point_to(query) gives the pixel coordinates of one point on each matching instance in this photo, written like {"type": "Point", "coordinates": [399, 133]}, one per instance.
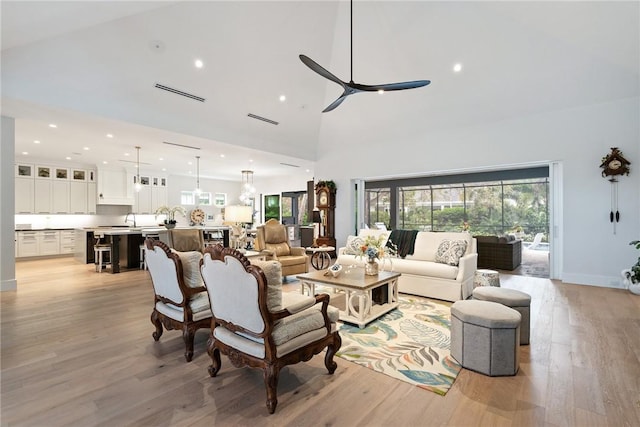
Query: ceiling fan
{"type": "Point", "coordinates": [350, 87]}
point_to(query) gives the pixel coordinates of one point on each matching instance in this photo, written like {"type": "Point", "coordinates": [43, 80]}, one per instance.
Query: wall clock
{"type": "Point", "coordinates": [197, 216]}
{"type": "Point", "coordinates": [614, 164]}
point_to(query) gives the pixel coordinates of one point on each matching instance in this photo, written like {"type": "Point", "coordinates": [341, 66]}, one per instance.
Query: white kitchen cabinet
{"type": "Point", "coordinates": [60, 197]}
{"type": "Point", "coordinates": [143, 201]}
{"type": "Point", "coordinates": [28, 243]}
{"type": "Point", "coordinates": [24, 195]}
{"type": "Point", "coordinates": [49, 242]}
{"type": "Point", "coordinates": [42, 196]}
{"type": "Point", "coordinates": [114, 187]}
{"type": "Point", "coordinates": [92, 194]}
{"type": "Point", "coordinates": [78, 197]}
{"type": "Point", "coordinates": [158, 193]}
{"type": "Point", "coordinates": [67, 241]}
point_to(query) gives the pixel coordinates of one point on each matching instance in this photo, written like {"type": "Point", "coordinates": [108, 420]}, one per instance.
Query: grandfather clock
{"type": "Point", "coordinates": [326, 203]}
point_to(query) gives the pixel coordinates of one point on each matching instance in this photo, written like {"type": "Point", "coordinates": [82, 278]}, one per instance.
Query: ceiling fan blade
{"type": "Point", "coordinates": [320, 70]}
{"type": "Point", "coordinates": [392, 86]}
{"type": "Point", "coordinates": [335, 103]}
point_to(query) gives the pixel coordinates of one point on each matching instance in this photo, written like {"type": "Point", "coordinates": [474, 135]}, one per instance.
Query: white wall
{"type": "Point", "coordinates": [7, 201]}
{"type": "Point", "coordinates": [578, 138]}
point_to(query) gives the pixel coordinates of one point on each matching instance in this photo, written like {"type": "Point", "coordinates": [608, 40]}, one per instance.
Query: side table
{"type": "Point", "coordinates": [320, 258]}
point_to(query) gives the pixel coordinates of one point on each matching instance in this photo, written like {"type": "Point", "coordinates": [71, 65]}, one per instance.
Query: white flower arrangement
{"type": "Point", "coordinates": [171, 212]}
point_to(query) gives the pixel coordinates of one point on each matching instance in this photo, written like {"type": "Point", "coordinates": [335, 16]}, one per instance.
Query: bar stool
{"type": "Point", "coordinates": [99, 249]}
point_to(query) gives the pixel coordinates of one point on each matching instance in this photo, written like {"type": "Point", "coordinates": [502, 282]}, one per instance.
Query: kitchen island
{"type": "Point", "coordinates": [125, 243]}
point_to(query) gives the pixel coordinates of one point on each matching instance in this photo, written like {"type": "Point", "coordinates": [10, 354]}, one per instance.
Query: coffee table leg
{"type": "Point", "coordinates": [364, 306]}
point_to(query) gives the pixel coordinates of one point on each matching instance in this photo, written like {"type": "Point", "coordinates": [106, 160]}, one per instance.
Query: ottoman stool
{"type": "Point", "coordinates": [519, 301]}
{"type": "Point", "coordinates": [485, 337]}
{"type": "Point", "coordinates": [485, 277]}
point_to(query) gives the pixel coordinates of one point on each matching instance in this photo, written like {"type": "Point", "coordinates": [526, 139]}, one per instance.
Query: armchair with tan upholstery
{"type": "Point", "coordinates": [183, 239]}
{"type": "Point", "coordinates": [273, 239]}
{"type": "Point", "coordinates": [258, 325]}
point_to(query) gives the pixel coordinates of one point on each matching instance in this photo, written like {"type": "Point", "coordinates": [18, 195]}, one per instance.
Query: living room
{"type": "Point", "coordinates": [558, 87]}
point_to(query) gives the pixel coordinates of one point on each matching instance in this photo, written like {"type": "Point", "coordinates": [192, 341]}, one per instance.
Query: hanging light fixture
{"type": "Point", "coordinates": [198, 190]}
{"type": "Point", "coordinates": [138, 184]}
{"type": "Point", "coordinates": [247, 192]}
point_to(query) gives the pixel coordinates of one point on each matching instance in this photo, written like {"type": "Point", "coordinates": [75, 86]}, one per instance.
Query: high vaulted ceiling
{"type": "Point", "coordinates": [91, 68]}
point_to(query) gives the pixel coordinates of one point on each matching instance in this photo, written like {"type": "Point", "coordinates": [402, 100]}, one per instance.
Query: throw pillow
{"type": "Point", "coordinates": [353, 245]}
{"type": "Point", "coordinates": [273, 272]}
{"type": "Point", "coordinates": [191, 268]}
{"type": "Point", "coordinates": [450, 251]}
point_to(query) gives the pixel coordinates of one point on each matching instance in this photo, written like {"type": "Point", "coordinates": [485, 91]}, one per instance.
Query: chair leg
{"type": "Point", "coordinates": [158, 324]}
{"type": "Point", "coordinates": [332, 349]}
{"type": "Point", "coordinates": [215, 361]}
{"type": "Point", "coordinates": [187, 336]}
{"type": "Point", "coordinates": [270, 374]}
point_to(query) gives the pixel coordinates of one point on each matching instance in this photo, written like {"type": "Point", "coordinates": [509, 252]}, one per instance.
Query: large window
{"type": "Point", "coordinates": [517, 203]}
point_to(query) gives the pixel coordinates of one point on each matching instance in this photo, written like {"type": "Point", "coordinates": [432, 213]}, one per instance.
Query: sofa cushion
{"type": "Point", "coordinates": [353, 245]}
{"type": "Point", "coordinates": [450, 251]}
{"type": "Point", "coordinates": [273, 272]}
{"type": "Point", "coordinates": [428, 242]}
{"type": "Point", "coordinates": [426, 268]}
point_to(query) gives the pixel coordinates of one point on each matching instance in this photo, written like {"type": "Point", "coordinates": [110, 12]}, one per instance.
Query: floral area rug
{"type": "Point", "coordinates": [410, 343]}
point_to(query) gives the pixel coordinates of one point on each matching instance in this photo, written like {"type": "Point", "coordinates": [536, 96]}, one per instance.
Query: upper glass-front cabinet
{"type": "Point", "coordinates": [24, 170]}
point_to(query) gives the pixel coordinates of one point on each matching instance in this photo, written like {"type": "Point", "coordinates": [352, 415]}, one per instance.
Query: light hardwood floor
{"type": "Point", "coordinates": [77, 351]}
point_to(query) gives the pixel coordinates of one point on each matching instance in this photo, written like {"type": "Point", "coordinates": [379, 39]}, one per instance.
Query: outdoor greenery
{"type": "Point", "coordinates": [490, 208]}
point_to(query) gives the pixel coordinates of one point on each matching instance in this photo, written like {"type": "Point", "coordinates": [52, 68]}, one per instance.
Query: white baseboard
{"type": "Point", "coordinates": [8, 285]}
{"type": "Point", "coordinates": [614, 282]}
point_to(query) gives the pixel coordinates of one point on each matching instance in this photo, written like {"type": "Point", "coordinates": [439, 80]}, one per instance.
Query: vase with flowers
{"type": "Point", "coordinates": [372, 250]}
{"type": "Point", "coordinates": [170, 215]}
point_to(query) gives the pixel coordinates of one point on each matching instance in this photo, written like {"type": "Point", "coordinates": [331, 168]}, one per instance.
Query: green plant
{"type": "Point", "coordinates": [633, 273]}
{"type": "Point", "coordinates": [329, 184]}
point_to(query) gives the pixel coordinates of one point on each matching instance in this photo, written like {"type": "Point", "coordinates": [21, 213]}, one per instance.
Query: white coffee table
{"type": "Point", "coordinates": [360, 308]}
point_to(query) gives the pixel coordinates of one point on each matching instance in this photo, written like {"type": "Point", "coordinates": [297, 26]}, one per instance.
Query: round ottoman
{"type": "Point", "coordinates": [519, 301]}
{"type": "Point", "coordinates": [486, 278]}
{"type": "Point", "coordinates": [485, 337]}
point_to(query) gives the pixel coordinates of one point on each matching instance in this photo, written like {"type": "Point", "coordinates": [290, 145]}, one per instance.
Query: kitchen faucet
{"type": "Point", "coordinates": [126, 218]}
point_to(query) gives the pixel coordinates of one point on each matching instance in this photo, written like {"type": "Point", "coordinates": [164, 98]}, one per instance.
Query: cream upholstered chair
{"type": "Point", "coordinates": [258, 325]}
{"type": "Point", "coordinates": [272, 237]}
{"type": "Point", "coordinates": [181, 300]}
{"type": "Point", "coordinates": [183, 239]}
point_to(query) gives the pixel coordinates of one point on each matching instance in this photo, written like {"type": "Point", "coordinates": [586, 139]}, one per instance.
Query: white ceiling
{"type": "Point", "coordinates": [91, 68]}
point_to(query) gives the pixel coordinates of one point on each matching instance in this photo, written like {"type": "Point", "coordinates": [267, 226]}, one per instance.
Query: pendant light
{"type": "Point", "coordinates": [198, 190]}
{"type": "Point", "coordinates": [247, 192]}
{"type": "Point", "coordinates": [138, 184]}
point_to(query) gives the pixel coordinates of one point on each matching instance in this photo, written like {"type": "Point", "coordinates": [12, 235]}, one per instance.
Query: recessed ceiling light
{"type": "Point", "coordinates": [25, 153]}
{"type": "Point", "coordinates": [104, 162]}
{"type": "Point", "coordinates": [68, 158]}
{"type": "Point", "coordinates": [198, 63]}
{"type": "Point", "coordinates": [164, 169]}
{"type": "Point", "coordinates": [53, 125]}
{"type": "Point", "coordinates": [189, 163]}
{"type": "Point", "coordinates": [160, 158]}
{"type": "Point", "coordinates": [250, 160]}
{"type": "Point", "coordinates": [457, 68]}
{"type": "Point", "coordinates": [36, 142]}
{"type": "Point", "coordinates": [380, 91]}
{"type": "Point", "coordinates": [222, 155]}
{"type": "Point", "coordinates": [109, 135]}
{"type": "Point", "coordinates": [283, 98]}
{"type": "Point", "coordinates": [126, 154]}
{"type": "Point", "coordinates": [86, 148]}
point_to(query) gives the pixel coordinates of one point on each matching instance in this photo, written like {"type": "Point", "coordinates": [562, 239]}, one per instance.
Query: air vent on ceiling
{"type": "Point", "coordinates": [134, 162]}
{"type": "Point", "coordinates": [289, 164]}
{"type": "Point", "coordinates": [264, 119]}
{"type": "Point", "coordinates": [179, 92]}
{"type": "Point", "coordinates": [181, 145]}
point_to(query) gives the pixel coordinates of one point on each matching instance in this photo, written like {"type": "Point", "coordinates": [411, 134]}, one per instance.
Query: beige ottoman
{"type": "Point", "coordinates": [485, 337]}
{"type": "Point", "coordinates": [519, 301]}
{"type": "Point", "coordinates": [485, 277]}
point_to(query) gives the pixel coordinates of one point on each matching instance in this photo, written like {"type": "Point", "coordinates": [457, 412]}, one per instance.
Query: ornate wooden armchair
{"type": "Point", "coordinates": [272, 238]}
{"type": "Point", "coordinates": [181, 300]}
{"type": "Point", "coordinates": [258, 325]}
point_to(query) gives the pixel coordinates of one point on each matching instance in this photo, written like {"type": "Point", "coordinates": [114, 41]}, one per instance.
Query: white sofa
{"type": "Point", "coordinates": [421, 274]}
